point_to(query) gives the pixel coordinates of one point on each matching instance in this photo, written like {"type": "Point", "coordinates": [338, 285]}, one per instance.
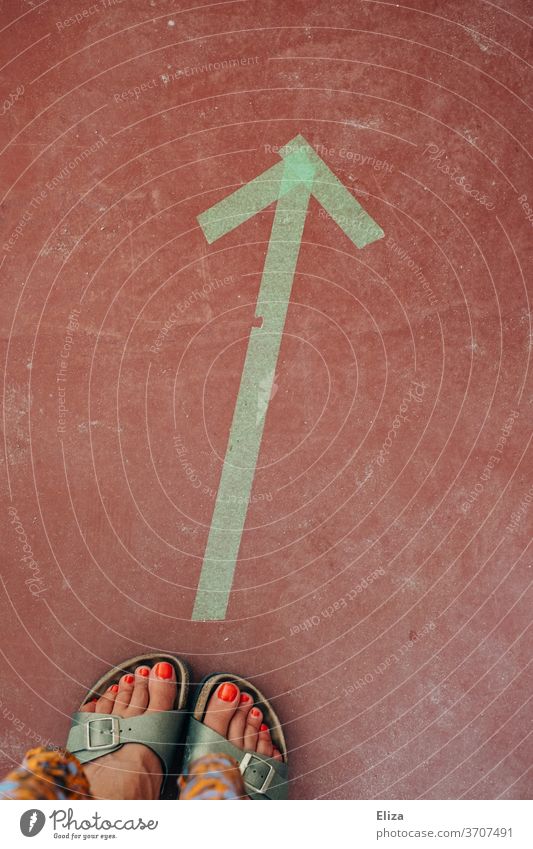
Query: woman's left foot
{"type": "Point", "coordinates": [233, 715]}
{"type": "Point", "coordinates": [134, 771]}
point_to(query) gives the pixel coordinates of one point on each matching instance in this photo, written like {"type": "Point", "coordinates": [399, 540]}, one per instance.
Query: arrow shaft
{"type": "Point", "coordinates": [288, 183]}
{"type": "Point", "coordinates": [247, 426]}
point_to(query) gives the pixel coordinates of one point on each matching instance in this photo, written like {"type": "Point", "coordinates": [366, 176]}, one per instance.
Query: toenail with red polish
{"type": "Point", "coordinates": [163, 670]}
{"type": "Point", "coordinates": [114, 688]}
{"type": "Point", "coordinates": [264, 727]}
{"type": "Point", "coordinates": [255, 712]}
{"type": "Point", "coordinates": [244, 699]}
{"type": "Point", "coordinates": [228, 692]}
{"type": "Point", "coordinates": [129, 679]}
{"type": "Point", "coordinates": [144, 671]}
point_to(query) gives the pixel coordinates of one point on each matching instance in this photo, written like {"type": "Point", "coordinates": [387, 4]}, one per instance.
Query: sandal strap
{"type": "Point", "coordinates": [95, 734]}
{"type": "Point", "coordinates": [264, 778]}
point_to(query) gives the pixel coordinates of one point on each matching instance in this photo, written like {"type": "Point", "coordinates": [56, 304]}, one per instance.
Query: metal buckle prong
{"type": "Point", "coordinates": [114, 731]}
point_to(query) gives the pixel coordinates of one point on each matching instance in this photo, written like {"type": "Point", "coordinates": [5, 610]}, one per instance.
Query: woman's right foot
{"type": "Point", "coordinates": [232, 713]}
{"type": "Point", "coordinates": [134, 771]}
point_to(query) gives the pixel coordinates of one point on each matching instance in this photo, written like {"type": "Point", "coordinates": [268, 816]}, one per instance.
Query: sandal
{"type": "Point", "coordinates": [93, 735]}
{"type": "Point", "coordinates": [264, 778]}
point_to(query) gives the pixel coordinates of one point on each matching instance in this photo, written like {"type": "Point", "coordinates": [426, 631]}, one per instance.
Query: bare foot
{"type": "Point", "coordinates": [232, 714]}
{"type": "Point", "coordinates": [134, 771]}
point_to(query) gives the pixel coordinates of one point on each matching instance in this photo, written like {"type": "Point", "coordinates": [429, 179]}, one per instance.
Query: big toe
{"type": "Point", "coordinates": [162, 686]}
{"type": "Point", "coordinates": [221, 707]}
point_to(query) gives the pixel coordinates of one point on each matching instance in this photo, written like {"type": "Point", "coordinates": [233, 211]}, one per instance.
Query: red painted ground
{"type": "Point", "coordinates": [382, 592]}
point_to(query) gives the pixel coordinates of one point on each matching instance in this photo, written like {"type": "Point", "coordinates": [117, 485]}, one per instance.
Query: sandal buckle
{"type": "Point", "coordinates": [245, 763]}
{"type": "Point", "coordinates": [114, 731]}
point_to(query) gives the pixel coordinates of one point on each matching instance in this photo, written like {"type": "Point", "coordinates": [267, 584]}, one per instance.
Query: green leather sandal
{"type": "Point", "coordinates": [264, 778]}
{"type": "Point", "coordinates": [93, 735]}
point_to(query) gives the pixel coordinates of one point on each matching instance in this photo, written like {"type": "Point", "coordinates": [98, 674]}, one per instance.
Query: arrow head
{"type": "Point", "coordinates": [300, 165]}
{"type": "Point", "coordinates": [335, 198]}
{"type": "Point", "coordinates": [298, 170]}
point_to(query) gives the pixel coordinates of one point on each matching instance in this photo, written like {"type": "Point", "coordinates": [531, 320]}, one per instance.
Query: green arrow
{"type": "Point", "coordinates": [290, 184]}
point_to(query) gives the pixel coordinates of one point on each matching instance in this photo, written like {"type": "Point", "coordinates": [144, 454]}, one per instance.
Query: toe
{"type": "Point", "coordinates": [251, 732]}
{"type": "Point", "coordinates": [276, 754]}
{"type": "Point", "coordinates": [162, 686]}
{"type": "Point", "coordinates": [89, 707]}
{"type": "Point", "coordinates": [140, 696]}
{"type": "Point", "coordinates": [238, 721]}
{"type": "Point", "coordinates": [123, 696]}
{"type": "Point", "coordinates": [264, 741]}
{"type": "Point", "coordinates": [106, 701]}
{"type": "Point", "coordinates": [221, 707]}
